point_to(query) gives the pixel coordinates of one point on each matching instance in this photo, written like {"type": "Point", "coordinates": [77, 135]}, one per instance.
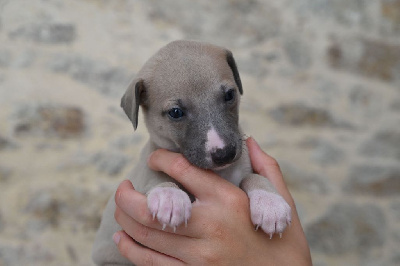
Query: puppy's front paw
{"type": "Point", "coordinates": [269, 211]}
{"type": "Point", "coordinates": [170, 205]}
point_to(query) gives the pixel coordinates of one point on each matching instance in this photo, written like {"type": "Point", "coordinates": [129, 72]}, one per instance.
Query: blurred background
{"type": "Point", "coordinates": [321, 94]}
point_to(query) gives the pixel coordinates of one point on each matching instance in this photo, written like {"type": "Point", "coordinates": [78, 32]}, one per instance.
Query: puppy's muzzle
{"type": "Point", "coordinates": [226, 155]}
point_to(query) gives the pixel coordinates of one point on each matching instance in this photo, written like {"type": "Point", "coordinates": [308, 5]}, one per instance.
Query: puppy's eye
{"type": "Point", "coordinates": [229, 95]}
{"type": "Point", "coordinates": [176, 113]}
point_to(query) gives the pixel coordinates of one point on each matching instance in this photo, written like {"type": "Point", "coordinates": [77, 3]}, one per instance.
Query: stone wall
{"type": "Point", "coordinates": [321, 94]}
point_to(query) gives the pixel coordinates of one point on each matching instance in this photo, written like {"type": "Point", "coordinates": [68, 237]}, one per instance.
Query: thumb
{"type": "Point", "coordinates": [262, 163]}
{"type": "Point", "coordinates": [267, 166]}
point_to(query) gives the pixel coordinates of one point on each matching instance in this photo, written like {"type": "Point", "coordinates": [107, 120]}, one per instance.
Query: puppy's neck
{"type": "Point", "coordinates": [167, 145]}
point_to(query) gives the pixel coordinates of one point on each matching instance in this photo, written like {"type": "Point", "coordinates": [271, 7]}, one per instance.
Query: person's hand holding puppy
{"type": "Point", "coordinates": [220, 230]}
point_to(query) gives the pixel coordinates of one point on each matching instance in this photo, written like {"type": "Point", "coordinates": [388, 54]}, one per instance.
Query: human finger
{"type": "Point", "coordinates": [169, 243]}
{"type": "Point", "coordinates": [203, 184]}
{"type": "Point", "coordinates": [134, 204]}
{"type": "Point", "coordinates": [140, 255]}
{"type": "Point", "coordinates": [268, 167]}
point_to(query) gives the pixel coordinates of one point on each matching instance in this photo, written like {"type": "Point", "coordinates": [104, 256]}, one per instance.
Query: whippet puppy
{"type": "Point", "coordinates": [189, 93]}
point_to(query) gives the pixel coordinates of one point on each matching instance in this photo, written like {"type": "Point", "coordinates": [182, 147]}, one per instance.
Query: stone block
{"type": "Point", "coordinates": [5, 173]}
{"type": "Point", "coordinates": [327, 154]}
{"type": "Point", "coordinates": [6, 143]}
{"type": "Point", "coordinates": [373, 180]}
{"type": "Point", "coordinates": [300, 114]}
{"type": "Point", "coordinates": [298, 51]}
{"type": "Point", "coordinates": [49, 120]}
{"type": "Point", "coordinates": [110, 162]}
{"type": "Point", "coordinates": [390, 10]}
{"type": "Point", "coordinates": [1, 221]}
{"type": "Point", "coordinates": [5, 58]}
{"type": "Point", "coordinates": [383, 144]}
{"type": "Point", "coordinates": [231, 23]}
{"type": "Point", "coordinates": [44, 209]}
{"type": "Point", "coordinates": [380, 60]}
{"type": "Point", "coordinates": [366, 57]}
{"type": "Point", "coordinates": [346, 13]}
{"type": "Point", "coordinates": [301, 179]}
{"type": "Point", "coordinates": [49, 33]}
{"type": "Point", "coordinates": [108, 80]}
{"type": "Point", "coordinates": [346, 228]}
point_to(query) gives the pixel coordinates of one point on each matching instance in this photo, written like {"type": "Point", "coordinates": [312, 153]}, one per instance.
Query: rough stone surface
{"type": "Point", "coordinates": [374, 179]}
{"type": "Point", "coordinates": [1, 222]}
{"type": "Point", "coordinates": [51, 33]}
{"type": "Point", "coordinates": [103, 77]}
{"type": "Point", "coordinates": [61, 121]}
{"type": "Point", "coordinates": [380, 60]}
{"type": "Point", "coordinates": [110, 162]}
{"type": "Point", "coordinates": [298, 51]}
{"type": "Point", "coordinates": [5, 143]}
{"type": "Point", "coordinates": [298, 114]}
{"type": "Point", "coordinates": [385, 143]}
{"type": "Point", "coordinates": [44, 208]}
{"type": "Point", "coordinates": [5, 58]}
{"type": "Point", "coordinates": [321, 85]}
{"type": "Point", "coordinates": [5, 173]}
{"type": "Point", "coordinates": [348, 227]}
{"type": "Point", "coordinates": [297, 178]}
{"type": "Point", "coordinates": [256, 20]}
{"type": "Point", "coordinates": [368, 57]}
{"type": "Point", "coordinates": [391, 12]}
{"type": "Point", "coordinates": [327, 154]}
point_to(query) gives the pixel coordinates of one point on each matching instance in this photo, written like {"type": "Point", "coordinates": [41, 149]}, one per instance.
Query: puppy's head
{"type": "Point", "coordinates": [189, 93]}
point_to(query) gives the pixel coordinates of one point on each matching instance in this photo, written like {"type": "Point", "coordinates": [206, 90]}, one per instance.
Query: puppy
{"type": "Point", "coordinates": [189, 93]}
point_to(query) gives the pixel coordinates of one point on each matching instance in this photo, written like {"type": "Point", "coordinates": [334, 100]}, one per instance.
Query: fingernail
{"type": "Point", "coordinates": [116, 238]}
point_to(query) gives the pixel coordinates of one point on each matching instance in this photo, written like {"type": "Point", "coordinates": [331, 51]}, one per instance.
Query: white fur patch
{"type": "Point", "coordinates": [269, 211]}
{"type": "Point", "coordinates": [214, 141]}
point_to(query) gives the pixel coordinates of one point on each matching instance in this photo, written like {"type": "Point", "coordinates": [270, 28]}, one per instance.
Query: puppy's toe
{"type": "Point", "coordinates": [170, 205]}
{"type": "Point", "coordinates": [269, 211]}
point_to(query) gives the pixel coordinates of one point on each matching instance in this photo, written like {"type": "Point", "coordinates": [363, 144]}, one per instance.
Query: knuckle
{"type": "Point", "coordinates": [210, 256]}
{"type": "Point", "coordinates": [119, 194]}
{"type": "Point", "coordinates": [124, 249]}
{"type": "Point", "coordinates": [148, 259]}
{"type": "Point", "coordinates": [144, 217]}
{"type": "Point", "coordinates": [117, 214]}
{"type": "Point", "coordinates": [141, 233]}
{"type": "Point", "coordinates": [179, 166]}
{"type": "Point", "coordinates": [235, 200]}
{"type": "Point", "coordinates": [274, 163]}
{"type": "Point", "coordinates": [218, 231]}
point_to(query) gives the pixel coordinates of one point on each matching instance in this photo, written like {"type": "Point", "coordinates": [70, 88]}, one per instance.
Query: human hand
{"type": "Point", "coordinates": [219, 231]}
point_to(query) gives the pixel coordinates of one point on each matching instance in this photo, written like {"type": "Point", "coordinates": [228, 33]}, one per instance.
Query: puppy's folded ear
{"type": "Point", "coordinates": [232, 65]}
{"type": "Point", "coordinates": [133, 97]}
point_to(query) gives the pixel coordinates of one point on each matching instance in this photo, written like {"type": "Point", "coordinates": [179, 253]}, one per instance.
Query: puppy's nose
{"type": "Point", "coordinates": [224, 156]}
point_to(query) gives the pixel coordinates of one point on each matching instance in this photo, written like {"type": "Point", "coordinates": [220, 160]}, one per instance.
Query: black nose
{"type": "Point", "coordinates": [224, 156]}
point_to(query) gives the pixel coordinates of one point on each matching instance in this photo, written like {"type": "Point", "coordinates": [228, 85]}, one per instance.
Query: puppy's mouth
{"type": "Point", "coordinates": [210, 162]}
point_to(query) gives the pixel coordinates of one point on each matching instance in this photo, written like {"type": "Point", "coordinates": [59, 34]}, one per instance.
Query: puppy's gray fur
{"type": "Point", "coordinates": [201, 84]}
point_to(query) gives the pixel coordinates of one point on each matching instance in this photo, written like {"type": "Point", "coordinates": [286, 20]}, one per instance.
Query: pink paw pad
{"type": "Point", "coordinates": [170, 205]}
{"type": "Point", "coordinates": [269, 211]}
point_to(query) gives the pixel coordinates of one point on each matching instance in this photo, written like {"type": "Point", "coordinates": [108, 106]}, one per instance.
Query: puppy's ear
{"type": "Point", "coordinates": [133, 97]}
{"type": "Point", "coordinates": [232, 65]}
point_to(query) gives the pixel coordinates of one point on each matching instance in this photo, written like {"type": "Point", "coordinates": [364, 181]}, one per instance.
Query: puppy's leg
{"type": "Point", "coordinates": [268, 209]}
{"type": "Point", "coordinates": [170, 204]}
{"type": "Point", "coordinates": [104, 251]}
